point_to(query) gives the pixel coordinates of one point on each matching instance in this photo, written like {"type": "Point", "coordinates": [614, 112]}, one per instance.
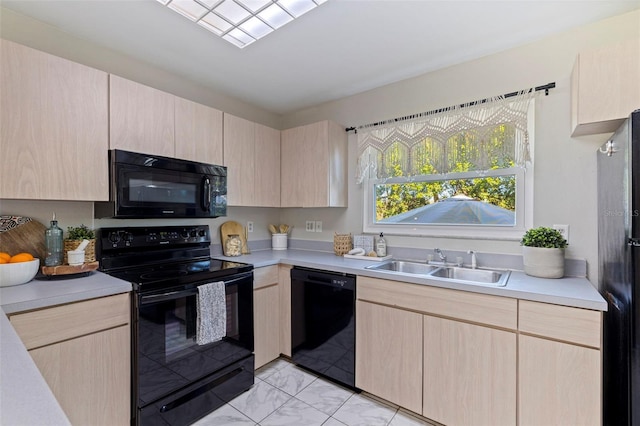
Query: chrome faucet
{"type": "Point", "coordinates": [474, 262]}
{"type": "Point", "coordinates": [442, 257]}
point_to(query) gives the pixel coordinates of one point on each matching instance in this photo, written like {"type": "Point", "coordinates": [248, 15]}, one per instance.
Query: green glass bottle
{"type": "Point", "coordinates": [53, 241]}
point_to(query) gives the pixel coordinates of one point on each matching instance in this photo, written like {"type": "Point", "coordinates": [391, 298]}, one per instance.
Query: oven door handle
{"type": "Point", "coordinates": [155, 298]}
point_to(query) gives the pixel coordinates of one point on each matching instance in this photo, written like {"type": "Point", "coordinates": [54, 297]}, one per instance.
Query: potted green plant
{"type": "Point", "coordinates": [75, 236]}
{"type": "Point", "coordinates": [543, 252]}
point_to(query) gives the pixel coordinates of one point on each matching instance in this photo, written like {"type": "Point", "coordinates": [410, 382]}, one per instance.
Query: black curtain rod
{"type": "Point", "coordinates": [545, 87]}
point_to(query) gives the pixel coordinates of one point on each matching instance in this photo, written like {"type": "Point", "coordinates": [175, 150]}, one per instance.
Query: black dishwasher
{"type": "Point", "coordinates": [323, 323]}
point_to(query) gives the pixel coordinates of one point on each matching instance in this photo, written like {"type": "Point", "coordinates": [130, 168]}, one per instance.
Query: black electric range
{"type": "Point", "coordinates": [175, 379]}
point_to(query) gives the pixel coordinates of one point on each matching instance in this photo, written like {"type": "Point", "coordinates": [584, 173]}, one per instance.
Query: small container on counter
{"type": "Point", "coordinates": [279, 241]}
{"type": "Point", "coordinates": [381, 246]}
{"type": "Point", "coordinates": [233, 245]}
{"type": "Point", "coordinates": [75, 257]}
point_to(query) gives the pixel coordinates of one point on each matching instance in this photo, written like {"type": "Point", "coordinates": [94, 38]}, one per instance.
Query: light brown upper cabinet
{"type": "Point", "coordinates": [54, 127]}
{"type": "Point", "coordinates": [605, 88]}
{"type": "Point", "coordinates": [267, 166]}
{"type": "Point", "coordinates": [150, 121]}
{"type": "Point", "coordinates": [252, 157]}
{"type": "Point", "coordinates": [198, 132]}
{"type": "Point", "coordinates": [141, 118]}
{"type": "Point", "coordinates": [314, 166]}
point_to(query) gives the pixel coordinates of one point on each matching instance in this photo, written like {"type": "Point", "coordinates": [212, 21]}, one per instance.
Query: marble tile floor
{"type": "Point", "coordinates": [284, 394]}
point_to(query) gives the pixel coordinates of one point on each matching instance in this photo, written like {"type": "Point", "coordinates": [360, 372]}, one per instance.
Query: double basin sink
{"type": "Point", "coordinates": [487, 277]}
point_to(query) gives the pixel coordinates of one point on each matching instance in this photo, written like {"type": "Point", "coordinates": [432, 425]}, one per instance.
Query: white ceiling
{"type": "Point", "coordinates": [342, 48]}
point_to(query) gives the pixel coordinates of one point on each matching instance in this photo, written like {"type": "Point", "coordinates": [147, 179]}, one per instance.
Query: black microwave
{"type": "Point", "coordinates": [151, 186]}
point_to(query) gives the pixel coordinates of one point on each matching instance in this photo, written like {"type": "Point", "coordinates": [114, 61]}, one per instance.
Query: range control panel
{"type": "Point", "coordinates": [138, 237]}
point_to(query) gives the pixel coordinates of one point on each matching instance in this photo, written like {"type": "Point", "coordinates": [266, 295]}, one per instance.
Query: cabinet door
{"type": "Point", "coordinates": [141, 118]}
{"type": "Point", "coordinates": [314, 166]}
{"type": "Point", "coordinates": [198, 132]}
{"type": "Point", "coordinates": [267, 166]}
{"type": "Point", "coordinates": [315, 160]}
{"type": "Point", "coordinates": [292, 172]}
{"type": "Point", "coordinates": [469, 373]}
{"type": "Point", "coordinates": [53, 127]}
{"type": "Point", "coordinates": [558, 383]}
{"type": "Point", "coordinates": [284, 284]}
{"type": "Point", "coordinates": [605, 87]}
{"type": "Point", "coordinates": [239, 137]}
{"type": "Point", "coordinates": [305, 166]}
{"type": "Point", "coordinates": [389, 354]}
{"type": "Point", "coordinates": [90, 376]}
{"type": "Point", "coordinates": [266, 318]}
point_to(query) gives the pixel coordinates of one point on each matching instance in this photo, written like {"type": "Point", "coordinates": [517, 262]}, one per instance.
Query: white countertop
{"type": "Point", "coordinates": [43, 292]}
{"type": "Point", "coordinates": [25, 397]}
{"type": "Point", "coordinates": [568, 291]}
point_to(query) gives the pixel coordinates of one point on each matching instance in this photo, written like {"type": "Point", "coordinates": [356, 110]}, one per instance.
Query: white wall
{"type": "Point", "coordinates": [565, 167]}
{"type": "Point", "coordinates": [565, 190]}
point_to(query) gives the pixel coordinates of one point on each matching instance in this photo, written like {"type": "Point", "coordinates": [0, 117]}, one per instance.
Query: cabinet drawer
{"type": "Point", "coordinates": [263, 277]}
{"type": "Point", "coordinates": [575, 325]}
{"type": "Point", "coordinates": [46, 326]}
{"type": "Point", "coordinates": [479, 308]}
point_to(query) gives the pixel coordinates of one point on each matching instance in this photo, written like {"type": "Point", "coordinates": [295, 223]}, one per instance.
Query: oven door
{"type": "Point", "coordinates": [167, 359]}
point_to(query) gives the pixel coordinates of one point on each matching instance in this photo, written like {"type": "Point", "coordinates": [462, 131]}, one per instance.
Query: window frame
{"type": "Point", "coordinates": [501, 232]}
{"type": "Point", "coordinates": [524, 203]}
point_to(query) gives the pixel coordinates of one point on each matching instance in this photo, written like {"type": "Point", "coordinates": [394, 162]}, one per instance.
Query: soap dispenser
{"type": "Point", "coordinates": [53, 241]}
{"type": "Point", "coordinates": [381, 246]}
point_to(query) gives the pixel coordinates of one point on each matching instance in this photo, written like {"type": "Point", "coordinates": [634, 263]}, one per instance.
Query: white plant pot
{"type": "Point", "coordinates": [543, 262]}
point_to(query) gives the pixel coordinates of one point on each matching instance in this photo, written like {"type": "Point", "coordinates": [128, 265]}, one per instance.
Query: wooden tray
{"type": "Point", "coordinates": [26, 236]}
{"type": "Point", "coordinates": [69, 269]}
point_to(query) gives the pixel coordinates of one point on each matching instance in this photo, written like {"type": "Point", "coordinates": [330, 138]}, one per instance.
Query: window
{"type": "Point", "coordinates": [458, 174]}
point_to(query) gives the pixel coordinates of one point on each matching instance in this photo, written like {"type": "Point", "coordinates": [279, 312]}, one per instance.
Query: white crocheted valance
{"type": "Point", "coordinates": [471, 137]}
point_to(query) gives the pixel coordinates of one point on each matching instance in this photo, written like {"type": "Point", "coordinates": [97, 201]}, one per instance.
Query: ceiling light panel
{"type": "Point", "coordinates": [232, 11]}
{"type": "Point", "coordinates": [188, 8]}
{"type": "Point", "coordinates": [215, 24]}
{"type": "Point", "coordinates": [275, 16]}
{"type": "Point", "coordinates": [254, 5]}
{"type": "Point", "coordinates": [297, 7]}
{"type": "Point", "coordinates": [241, 22]}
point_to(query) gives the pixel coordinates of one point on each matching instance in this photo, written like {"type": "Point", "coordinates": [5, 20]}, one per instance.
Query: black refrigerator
{"type": "Point", "coordinates": [618, 163]}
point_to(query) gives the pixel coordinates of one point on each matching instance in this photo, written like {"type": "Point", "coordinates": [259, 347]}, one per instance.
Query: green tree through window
{"type": "Point", "coordinates": [470, 152]}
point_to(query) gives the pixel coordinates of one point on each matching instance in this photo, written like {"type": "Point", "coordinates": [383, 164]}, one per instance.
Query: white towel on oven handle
{"type": "Point", "coordinates": [211, 313]}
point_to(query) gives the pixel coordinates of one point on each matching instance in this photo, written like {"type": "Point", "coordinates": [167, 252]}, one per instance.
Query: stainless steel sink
{"type": "Point", "coordinates": [480, 276]}
{"type": "Point", "coordinates": [490, 277]}
{"type": "Point", "coordinates": [405, 267]}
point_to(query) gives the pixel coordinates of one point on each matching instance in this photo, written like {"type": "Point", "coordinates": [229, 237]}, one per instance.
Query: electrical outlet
{"type": "Point", "coordinates": [564, 230]}
{"type": "Point", "coordinates": [249, 226]}
{"type": "Point", "coordinates": [310, 226]}
{"type": "Point", "coordinates": [318, 226]}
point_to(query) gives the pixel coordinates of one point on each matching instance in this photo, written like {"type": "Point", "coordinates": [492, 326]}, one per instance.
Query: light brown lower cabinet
{"type": "Point", "coordinates": [469, 373]}
{"type": "Point", "coordinates": [559, 383]}
{"type": "Point", "coordinates": [284, 280]}
{"type": "Point", "coordinates": [83, 351]}
{"type": "Point", "coordinates": [559, 365]}
{"type": "Point", "coordinates": [389, 354]}
{"type": "Point", "coordinates": [266, 315]}
{"type": "Point", "coordinates": [463, 358]}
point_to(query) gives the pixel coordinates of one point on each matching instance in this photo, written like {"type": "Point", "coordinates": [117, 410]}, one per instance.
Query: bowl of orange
{"type": "Point", "coordinates": [17, 269]}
